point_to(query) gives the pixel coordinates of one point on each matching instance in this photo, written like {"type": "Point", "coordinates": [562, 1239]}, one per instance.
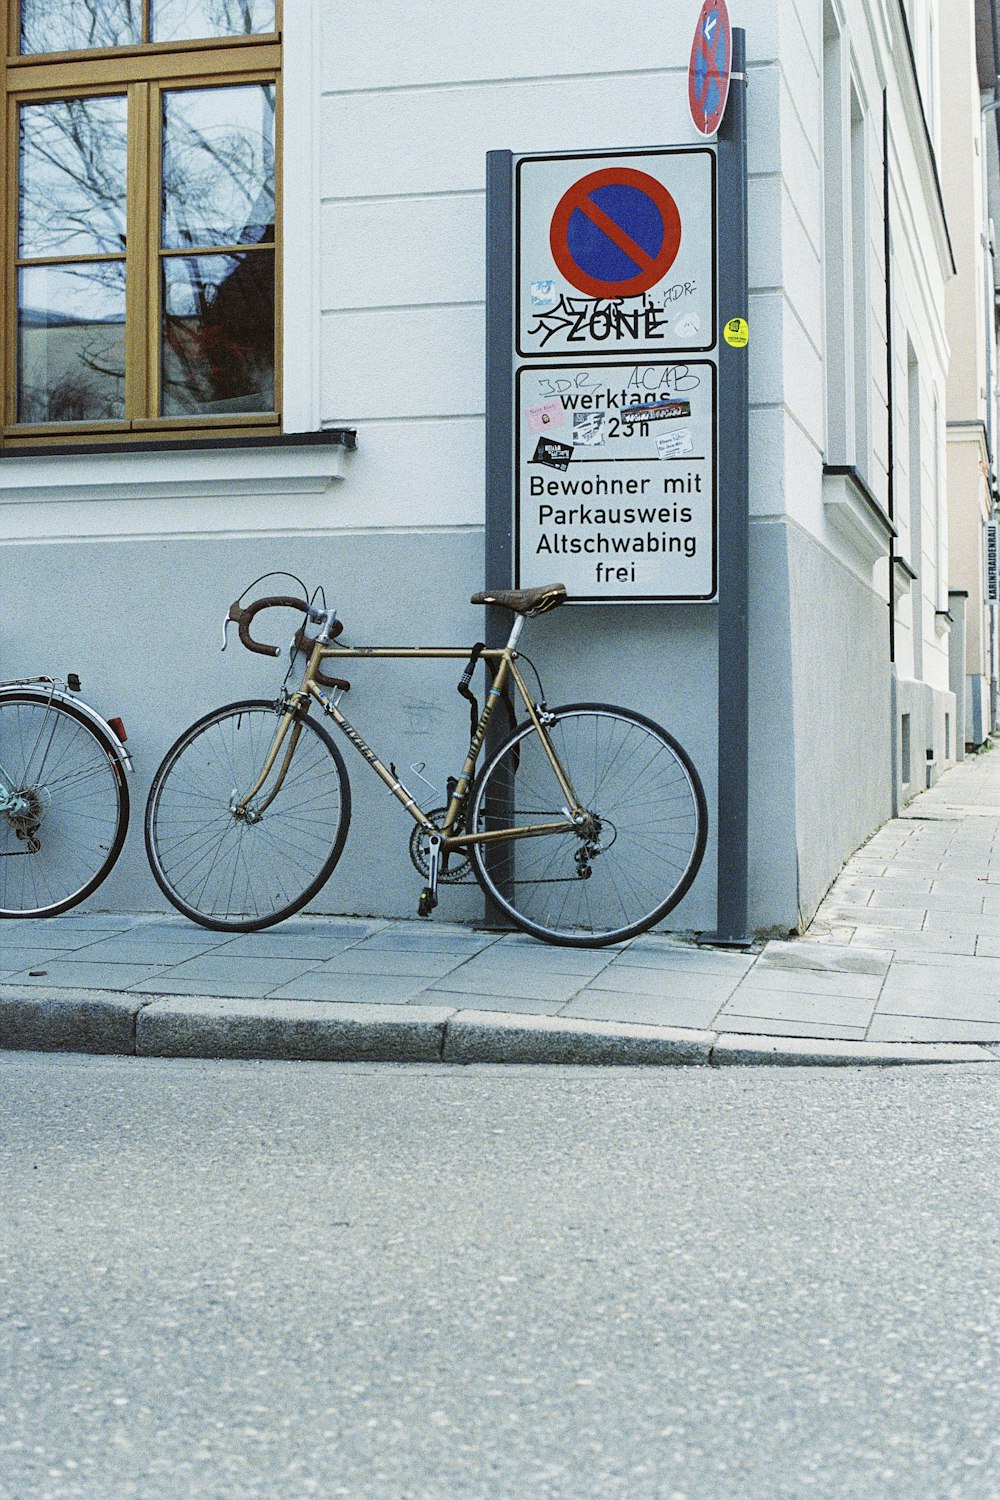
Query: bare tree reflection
{"type": "Point", "coordinates": [176, 19]}
{"type": "Point", "coordinates": [74, 25]}
{"type": "Point", "coordinates": [217, 195]}
{"type": "Point", "coordinates": [83, 25]}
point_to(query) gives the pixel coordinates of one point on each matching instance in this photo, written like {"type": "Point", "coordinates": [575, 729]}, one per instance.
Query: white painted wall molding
{"type": "Point", "coordinates": [923, 151]}
{"type": "Point", "coordinates": [208, 473]}
{"type": "Point", "coordinates": [301, 273]}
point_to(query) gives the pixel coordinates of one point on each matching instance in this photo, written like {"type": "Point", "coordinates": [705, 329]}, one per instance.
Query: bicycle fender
{"type": "Point", "coordinates": [32, 689]}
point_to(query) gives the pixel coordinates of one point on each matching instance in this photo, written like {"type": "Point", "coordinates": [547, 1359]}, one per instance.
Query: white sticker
{"type": "Point", "coordinates": [588, 429]}
{"type": "Point", "coordinates": [675, 444]}
{"type": "Point", "coordinates": [543, 294]}
{"type": "Point", "coordinates": [688, 326]}
{"type": "Point", "coordinates": [547, 414]}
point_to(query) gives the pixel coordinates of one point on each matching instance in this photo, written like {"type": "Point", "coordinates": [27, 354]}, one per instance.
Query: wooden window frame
{"type": "Point", "coordinates": [142, 73]}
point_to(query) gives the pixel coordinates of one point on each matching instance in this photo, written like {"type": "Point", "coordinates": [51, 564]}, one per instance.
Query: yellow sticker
{"type": "Point", "coordinates": [737, 333]}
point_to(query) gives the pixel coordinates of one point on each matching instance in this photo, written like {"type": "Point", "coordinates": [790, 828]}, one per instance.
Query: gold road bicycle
{"type": "Point", "coordinates": [585, 826]}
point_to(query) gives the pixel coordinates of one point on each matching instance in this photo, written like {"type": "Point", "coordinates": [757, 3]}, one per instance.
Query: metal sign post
{"type": "Point", "coordinates": [734, 554]}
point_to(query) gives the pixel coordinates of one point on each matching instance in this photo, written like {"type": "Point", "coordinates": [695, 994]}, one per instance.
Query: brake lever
{"type": "Point", "coordinates": [225, 631]}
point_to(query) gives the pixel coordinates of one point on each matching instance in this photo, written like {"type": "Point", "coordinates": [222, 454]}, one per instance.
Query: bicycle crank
{"type": "Point", "coordinates": [428, 896]}
{"type": "Point", "coordinates": [454, 869]}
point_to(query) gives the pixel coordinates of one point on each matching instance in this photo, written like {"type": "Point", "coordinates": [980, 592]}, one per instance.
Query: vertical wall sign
{"type": "Point", "coordinates": [992, 563]}
{"type": "Point", "coordinates": [615, 391]}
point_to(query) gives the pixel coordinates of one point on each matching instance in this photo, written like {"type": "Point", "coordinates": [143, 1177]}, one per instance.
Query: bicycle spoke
{"type": "Point", "coordinates": [238, 864]}
{"type": "Point", "coordinates": [74, 812]}
{"type": "Point", "coordinates": [639, 842]}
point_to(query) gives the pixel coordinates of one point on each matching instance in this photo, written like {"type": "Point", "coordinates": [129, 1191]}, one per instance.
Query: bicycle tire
{"type": "Point", "coordinates": [241, 875]}
{"type": "Point", "coordinates": [78, 805]}
{"type": "Point", "coordinates": [650, 808]}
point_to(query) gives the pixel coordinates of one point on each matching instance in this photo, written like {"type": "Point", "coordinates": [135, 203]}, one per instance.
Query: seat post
{"type": "Point", "coordinates": [515, 631]}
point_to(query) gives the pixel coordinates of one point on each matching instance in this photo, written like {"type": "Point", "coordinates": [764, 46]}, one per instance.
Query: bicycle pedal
{"type": "Point", "coordinates": [427, 902]}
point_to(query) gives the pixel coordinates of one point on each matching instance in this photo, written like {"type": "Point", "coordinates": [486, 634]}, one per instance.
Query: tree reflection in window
{"type": "Point", "coordinates": [79, 25]}
{"type": "Point", "coordinates": [218, 193]}
{"type": "Point", "coordinates": [86, 25]}
{"type": "Point", "coordinates": [209, 258]}
{"type": "Point", "coordinates": [72, 214]}
{"type": "Point", "coordinates": [186, 20]}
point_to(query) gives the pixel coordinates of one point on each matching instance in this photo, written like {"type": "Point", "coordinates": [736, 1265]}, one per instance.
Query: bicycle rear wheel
{"type": "Point", "coordinates": [69, 805]}
{"type": "Point", "coordinates": [633, 860]}
{"type": "Point", "coordinates": [239, 873]}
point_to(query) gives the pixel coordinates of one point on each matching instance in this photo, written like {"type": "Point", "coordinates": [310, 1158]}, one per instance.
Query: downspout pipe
{"type": "Point", "coordinates": [993, 108]}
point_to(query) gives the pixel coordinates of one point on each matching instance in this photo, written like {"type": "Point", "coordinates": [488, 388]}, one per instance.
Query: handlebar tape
{"type": "Point", "coordinates": [242, 615]}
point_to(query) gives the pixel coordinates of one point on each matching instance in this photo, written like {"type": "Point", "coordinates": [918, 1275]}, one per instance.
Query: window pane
{"type": "Point", "coordinates": [218, 334]}
{"type": "Point", "coordinates": [77, 25]}
{"type": "Point", "coordinates": [218, 166]}
{"type": "Point", "coordinates": [71, 343]}
{"type": "Point", "coordinates": [73, 177]}
{"type": "Point", "coordinates": [178, 20]}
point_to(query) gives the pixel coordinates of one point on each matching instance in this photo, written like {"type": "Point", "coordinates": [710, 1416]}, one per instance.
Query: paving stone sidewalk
{"type": "Point", "coordinates": [905, 949]}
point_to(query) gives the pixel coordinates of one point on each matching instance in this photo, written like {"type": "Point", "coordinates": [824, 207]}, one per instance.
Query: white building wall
{"type": "Point", "coordinates": [389, 112]}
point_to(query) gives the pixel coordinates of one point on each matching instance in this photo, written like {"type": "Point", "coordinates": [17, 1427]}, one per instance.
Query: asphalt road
{"type": "Point", "coordinates": [230, 1281]}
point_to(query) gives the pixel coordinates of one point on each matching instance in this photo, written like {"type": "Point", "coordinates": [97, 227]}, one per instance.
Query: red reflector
{"type": "Point", "coordinates": [119, 729]}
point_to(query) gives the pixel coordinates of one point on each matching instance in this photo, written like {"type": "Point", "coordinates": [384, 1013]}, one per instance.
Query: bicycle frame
{"type": "Point", "coordinates": [504, 662]}
{"type": "Point", "coordinates": [10, 802]}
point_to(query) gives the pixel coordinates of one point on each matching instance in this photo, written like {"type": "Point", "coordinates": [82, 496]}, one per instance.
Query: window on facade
{"type": "Point", "coordinates": [940, 518]}
{"type": "Point", "coordinates": [141, 217]}
{"type": "Point", "coordinates": [859, 289]}
{"type": "Point", "coordinates": [915, 538]}
{"type": "Point", "coordinates": [846, 244]}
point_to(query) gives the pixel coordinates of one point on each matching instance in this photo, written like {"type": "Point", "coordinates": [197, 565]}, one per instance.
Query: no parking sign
{"type": "Point", "coordinates": [710, 67]}
{"type": "Point", "coordinates": [615, 233]}
{"type": "Point", "coordinates": [616, 253]}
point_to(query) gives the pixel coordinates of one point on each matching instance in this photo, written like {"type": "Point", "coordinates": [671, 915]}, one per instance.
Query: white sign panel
{"type": "Point", "coordinates": [992, 563]}
{"type": "Point", "coordinates": [616, 480]}
{"type": "Point", "coordinates": [616, 254]}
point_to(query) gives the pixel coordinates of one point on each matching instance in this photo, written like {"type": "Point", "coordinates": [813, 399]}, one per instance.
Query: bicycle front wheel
{"type": "Point", "coordinates": [633, 858]}
{"type": "Point", "coordinates": [237, 869]}
{"type": "Point", "coordinates": [64, 805]}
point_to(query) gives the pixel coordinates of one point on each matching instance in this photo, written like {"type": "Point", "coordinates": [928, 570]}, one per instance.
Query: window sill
{"type": "Point", "coordinates": [173, 469]}
{"type": "Point", "coordinates": [854, 511]}
{"type": "Point", "coordinates": [336, 437]}
{"type": "Point", "coordinates": [903, 576]}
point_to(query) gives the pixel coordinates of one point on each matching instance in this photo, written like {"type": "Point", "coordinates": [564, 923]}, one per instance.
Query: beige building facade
{"type": "Point", "coordinates": [969, 140]}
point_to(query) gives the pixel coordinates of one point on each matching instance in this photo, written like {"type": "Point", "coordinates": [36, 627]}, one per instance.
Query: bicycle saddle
{"type": "Point", "coordinates": [524, 601]}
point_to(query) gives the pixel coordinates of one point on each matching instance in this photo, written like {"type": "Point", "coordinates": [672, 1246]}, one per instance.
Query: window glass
{"type": "Point", "coordinates": [72, 178]}
{"type": "Point", "coordinates": [218, 334]}
{"type": "Point", "coordinates": [71, 342]}
{"type": "Point", "coordinates": [189, 223]}
{"type": "Point", "coordinates": [78, 25]}
{"type": "Point", "coordinates": [183, 20]}
{"type": "Point", "coordinates": [218, 166]}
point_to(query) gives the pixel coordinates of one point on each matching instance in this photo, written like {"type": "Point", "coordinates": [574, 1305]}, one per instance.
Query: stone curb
{"type": "Point", "coordinates": [733, 1049]}
{"type": "Point", "coordinates": [42, 1020]}
{"type": "Point", "coordinates": [497, 1037]}
{"type": "Point", "coordinates": [303, 1030]}
{"type": "Point", "coordinates": [105, 1021]}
